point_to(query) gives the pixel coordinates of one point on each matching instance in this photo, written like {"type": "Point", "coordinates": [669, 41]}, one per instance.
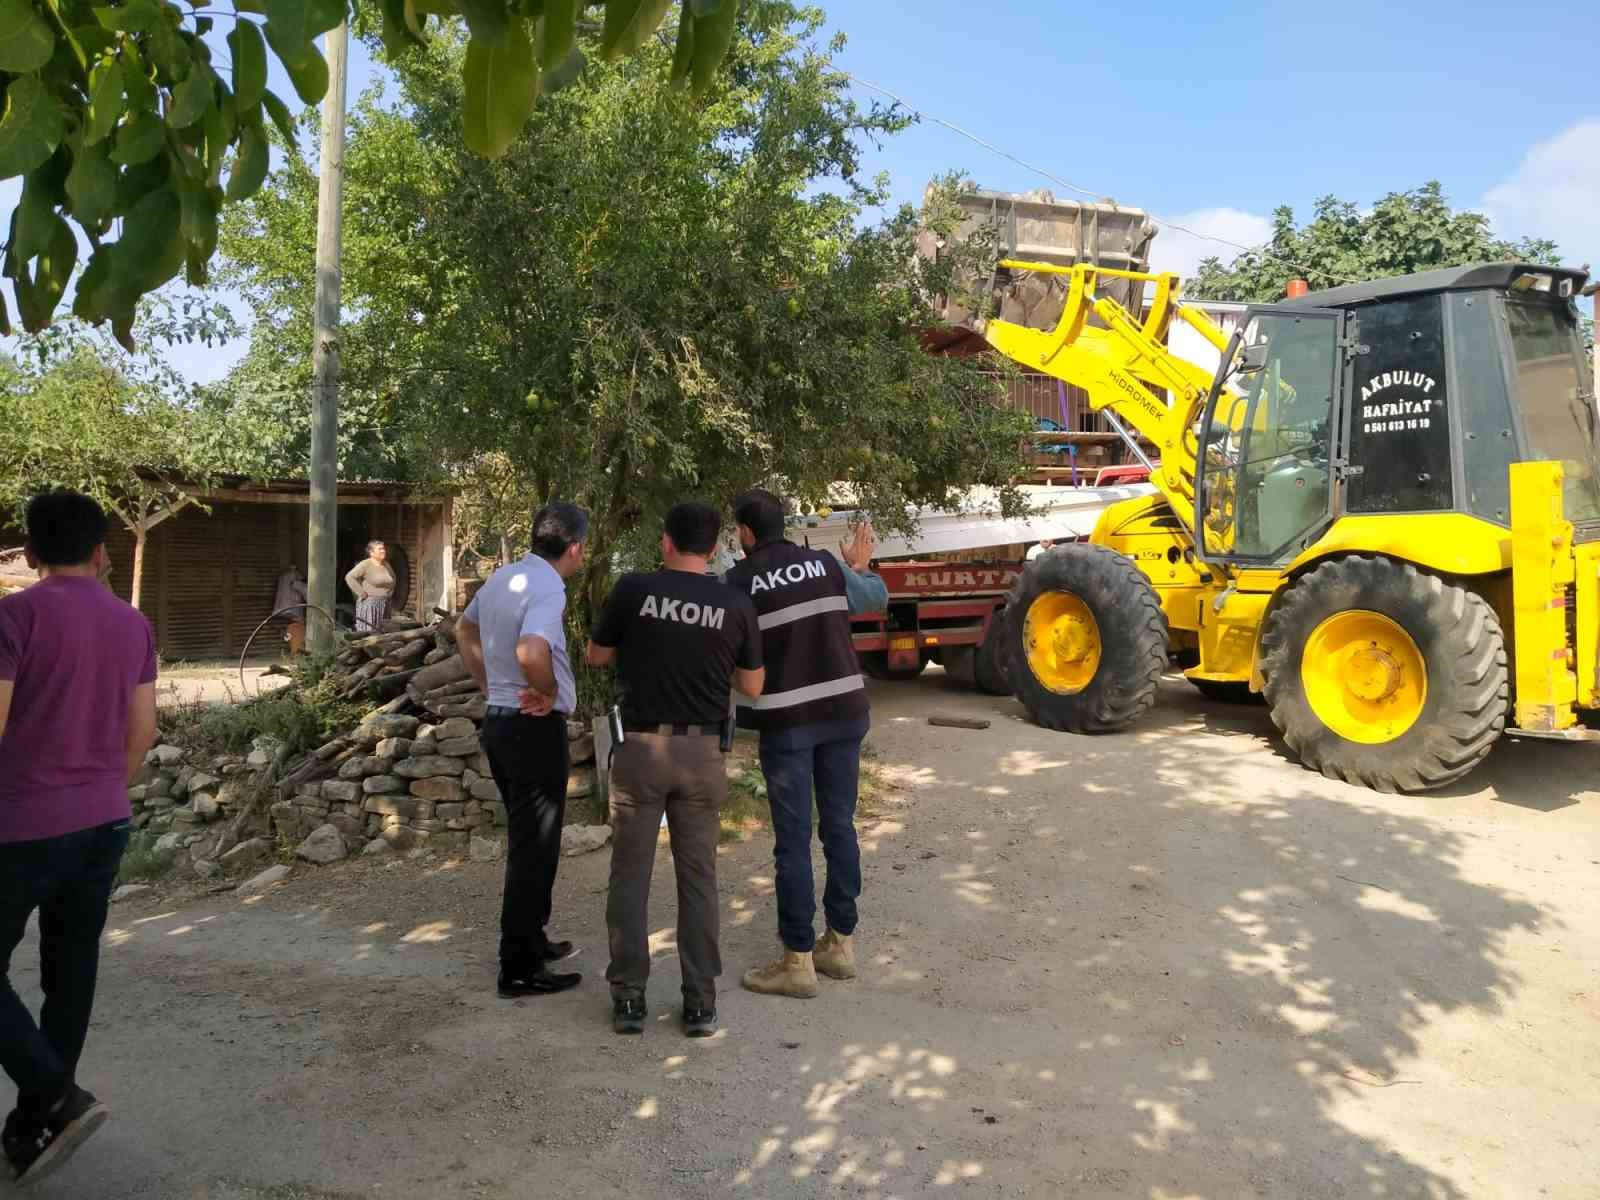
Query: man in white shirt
{"type": "Point", "coordinates": [513, 640]}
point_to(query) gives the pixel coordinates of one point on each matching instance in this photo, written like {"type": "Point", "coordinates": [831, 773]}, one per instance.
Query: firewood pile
{"type": "Point", "coordinates": [413, 669]}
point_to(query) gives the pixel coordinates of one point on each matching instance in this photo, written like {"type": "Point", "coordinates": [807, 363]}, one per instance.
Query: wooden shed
{"type": "Point", "coordinates": [210, 574]}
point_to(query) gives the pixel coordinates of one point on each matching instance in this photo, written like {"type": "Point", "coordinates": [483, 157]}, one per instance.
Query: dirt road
{"type": "Point", "coordinates": [1165, 964]}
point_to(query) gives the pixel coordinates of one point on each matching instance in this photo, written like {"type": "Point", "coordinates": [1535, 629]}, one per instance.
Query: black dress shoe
{"type": "Point", "coordinates": [542, 982]}
{"type": "Point", "coordinates": [556, 951]}
{"type": "Point", "coordinates": [699, 1021]}
{"type": "Point", "coordinates": [627, 1015]}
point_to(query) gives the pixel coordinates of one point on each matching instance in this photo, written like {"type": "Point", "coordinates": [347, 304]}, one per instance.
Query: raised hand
{"type": "Point", "coordinates": [859, 550]}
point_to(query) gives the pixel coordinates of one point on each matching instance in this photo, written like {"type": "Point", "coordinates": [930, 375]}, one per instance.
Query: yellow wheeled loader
{"type": "Point", "coordinates": [1382, 511]}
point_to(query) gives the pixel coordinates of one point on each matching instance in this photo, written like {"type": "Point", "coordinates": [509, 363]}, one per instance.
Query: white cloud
{"type": "Point", "coordinates": [1555, 193]}
{"type": "Point", "coordinates": [1176, 250]}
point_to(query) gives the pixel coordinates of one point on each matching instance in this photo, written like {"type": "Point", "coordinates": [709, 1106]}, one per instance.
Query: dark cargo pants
{"type": "Point", "coordinates": [684, 777]}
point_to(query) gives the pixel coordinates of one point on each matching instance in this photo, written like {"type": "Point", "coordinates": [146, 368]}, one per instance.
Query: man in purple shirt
{"type": "Point", "coordinates": [77, 716]}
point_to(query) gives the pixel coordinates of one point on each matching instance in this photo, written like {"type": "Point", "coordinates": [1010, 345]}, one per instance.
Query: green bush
{"type": "Point", "coordinates": [302, 714]}
{"type": "Point", "coordinates": [141, 863]}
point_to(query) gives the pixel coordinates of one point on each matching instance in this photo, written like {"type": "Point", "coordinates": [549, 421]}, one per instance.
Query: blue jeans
{"type": "Point", "coordinates": [69, 880]}
{"type": "Point", "coordinates": [795, 766]}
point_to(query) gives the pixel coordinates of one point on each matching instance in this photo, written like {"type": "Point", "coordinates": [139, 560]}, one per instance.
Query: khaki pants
{"type": "Point", "coordinates": [685, 778]}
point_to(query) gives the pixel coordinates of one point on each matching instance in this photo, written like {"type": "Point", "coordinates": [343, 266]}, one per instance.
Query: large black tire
{"type": "Point", "coordinates": [1464, 659]}
{"type": "Point", "coordinates": [876, 664]}
{"type": "Point", "coordinates": [1132, 635]}
{"type": "Point", "coordinates": [1226, 691]}
{"type": "Point", "coordinates": [990, 671]}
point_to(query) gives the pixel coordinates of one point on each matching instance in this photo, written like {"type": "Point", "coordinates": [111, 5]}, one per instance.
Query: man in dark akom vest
{"type": "Point", "coordinates": [811, 717]}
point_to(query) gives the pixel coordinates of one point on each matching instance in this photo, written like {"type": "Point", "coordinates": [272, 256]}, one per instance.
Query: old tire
{"type": "Point", "coordinates": [1384, 676]}
{"type": "Point", "coordinates": [876, 664]}
{"type": "Point", "coordinates": [989, 668]}
{"type": "Point", "coordinates": [1086, 640]}
{"type": "Point", "coordinates": [1226, 691]}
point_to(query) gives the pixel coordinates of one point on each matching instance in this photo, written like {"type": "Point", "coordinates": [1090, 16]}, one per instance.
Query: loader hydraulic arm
{"type": "Point", "coordinates": [1113, 364]}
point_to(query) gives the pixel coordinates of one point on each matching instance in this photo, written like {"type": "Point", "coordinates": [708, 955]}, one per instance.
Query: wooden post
{"type": "Point", "coordinates": [140, 529]}
{"type": "Point", "coordinates": [322, 550]}
{"type": "Point", "coordinates": [141, 534]}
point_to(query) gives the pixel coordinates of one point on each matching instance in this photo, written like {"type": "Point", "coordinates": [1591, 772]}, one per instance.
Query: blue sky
{"type": "Point", "coordinates": [1212, 115]}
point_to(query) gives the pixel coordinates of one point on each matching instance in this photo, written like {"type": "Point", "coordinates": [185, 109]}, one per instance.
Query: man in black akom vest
{"type": "Point", "coordinates": [681, 642]}
{"type": "Point", "coordinates": [811, 717]}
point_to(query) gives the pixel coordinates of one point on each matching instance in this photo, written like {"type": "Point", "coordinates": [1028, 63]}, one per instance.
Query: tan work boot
{"type": "Point", "coordinates": [791, 975]}
{"type": "Point", "coordinates": [835, 956]}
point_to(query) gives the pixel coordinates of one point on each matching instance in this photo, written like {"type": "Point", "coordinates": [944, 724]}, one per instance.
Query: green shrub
{"type": "Point", "coordinates": [141, 863]}
{"type": "Point", "coordinates": [302, 714]}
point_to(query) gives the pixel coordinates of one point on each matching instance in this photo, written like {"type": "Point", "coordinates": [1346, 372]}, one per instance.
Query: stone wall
{"type": "Point", "coordinates": [402, 784]}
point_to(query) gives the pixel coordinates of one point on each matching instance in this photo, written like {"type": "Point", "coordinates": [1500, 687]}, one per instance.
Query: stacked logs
{"type": "Point", "coordinates": [412, 668]}
{"type": "Point", "coordinates": [415, 670]}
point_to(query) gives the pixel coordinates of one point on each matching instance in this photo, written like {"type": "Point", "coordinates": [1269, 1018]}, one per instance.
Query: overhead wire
{"type": "Point", "coordinates": [1100, 197]}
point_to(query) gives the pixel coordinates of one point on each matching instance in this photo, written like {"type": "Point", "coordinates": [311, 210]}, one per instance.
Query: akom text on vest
{"type": "Point", "coordinates": [685, 612]}
{"type": "Point", "coordinates": [782, 576]}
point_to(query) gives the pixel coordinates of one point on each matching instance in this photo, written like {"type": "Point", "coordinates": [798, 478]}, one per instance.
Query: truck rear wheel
{"type": "Point", "coordinates": [990, 672]}
{"type": "Point", "coordinates": [1383, 676]}
{"type": "Point", "coordinates": [1086, 640]}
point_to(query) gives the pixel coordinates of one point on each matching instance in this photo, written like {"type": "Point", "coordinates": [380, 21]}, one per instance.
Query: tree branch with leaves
{"type": "Point", "coordinates": [122, 119]}
{"type": "Point", "coordinates": [1403, 233]}
{"type": "Point", "coordinates": [643, 299]}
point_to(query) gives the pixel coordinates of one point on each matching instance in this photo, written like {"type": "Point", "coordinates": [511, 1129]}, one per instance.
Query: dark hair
{"type": "Point", "coordinates": [759, 511]}
{"type": "Point", "coordinates": [693, 527]}
{"type": "Point", "coordinates": [64, 528]}
{"type": "Point", "coordinates": [556, 526]}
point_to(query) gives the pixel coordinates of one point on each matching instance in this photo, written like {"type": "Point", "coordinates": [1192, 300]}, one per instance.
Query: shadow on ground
{"type": "Point", "coordinates": [1239, 960]}
{"type": "Point", "coordinates": [1159, 965]}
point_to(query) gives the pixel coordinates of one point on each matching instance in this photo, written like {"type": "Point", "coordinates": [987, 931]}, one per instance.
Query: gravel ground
{"type": "Point", "coordinates": [1163, 964]}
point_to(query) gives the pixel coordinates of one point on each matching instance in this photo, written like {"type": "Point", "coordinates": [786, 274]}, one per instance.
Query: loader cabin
{"type": "Point", "coordinates": [1397, 396]}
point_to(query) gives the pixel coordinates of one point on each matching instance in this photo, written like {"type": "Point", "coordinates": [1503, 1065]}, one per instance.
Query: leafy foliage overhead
{"type": "Point", "coordinates": [133, 123]}
{"type": "Point", "coordinates": [642, 300]}
{"type": "Point", "coordinates": [77, 413]}
{"type": "Point", "coordinates": [1403, 233]}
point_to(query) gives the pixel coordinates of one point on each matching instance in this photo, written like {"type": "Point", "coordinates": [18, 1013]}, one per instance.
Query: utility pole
{"type": "Point", "coordinates": [322, 575]}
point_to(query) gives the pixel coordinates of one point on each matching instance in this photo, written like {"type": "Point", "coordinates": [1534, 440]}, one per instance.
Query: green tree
{"type": "Point", "coordinates": [126, 114]}
{"type": "Point", "coordinates": [75, 413]}
{"type": "Point", "coordinates": [1405, 232]}
{"type": "Point", "coordinates": [642, 299]}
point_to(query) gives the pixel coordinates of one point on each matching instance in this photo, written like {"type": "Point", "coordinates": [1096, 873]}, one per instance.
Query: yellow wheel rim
{"type": "Point", "coordinates": [1062, 642]}
{"type": "Point", "coordinates": [1364, 677]}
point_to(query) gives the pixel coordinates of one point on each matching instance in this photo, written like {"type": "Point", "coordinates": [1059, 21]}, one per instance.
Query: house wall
{"type": "Point", "coordinates": [433, 573]}
{"type": "Point", "coordinates": [210, 578]}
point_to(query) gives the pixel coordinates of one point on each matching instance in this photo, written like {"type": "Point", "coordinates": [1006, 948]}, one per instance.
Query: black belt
{"type": "Point", "coordinates": [508, 710]}
{"type": "Point", "coordinates": [675, 730]}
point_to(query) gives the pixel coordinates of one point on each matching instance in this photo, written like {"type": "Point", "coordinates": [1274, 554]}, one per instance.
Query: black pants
{"type": "Point", "coordinates": [528, 758]}
{"type": "Point", "coordinates": [69, 880]}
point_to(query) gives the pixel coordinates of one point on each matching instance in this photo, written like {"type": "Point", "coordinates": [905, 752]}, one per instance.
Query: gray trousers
{"type": "Point", "coordinates": [685, 778]}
